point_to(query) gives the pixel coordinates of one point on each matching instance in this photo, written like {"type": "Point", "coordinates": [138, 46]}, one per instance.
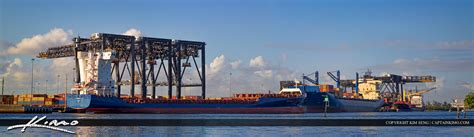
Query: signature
{"type": "Point", "coordinates": [53, 125]}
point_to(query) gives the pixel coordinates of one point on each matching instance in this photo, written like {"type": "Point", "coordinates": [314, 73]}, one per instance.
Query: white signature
{"type": "Point", "coordinates": [53, 125]}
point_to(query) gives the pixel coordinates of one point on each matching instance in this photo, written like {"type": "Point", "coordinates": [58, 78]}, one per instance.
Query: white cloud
{"type": "Point", "coordinates": [259, 76]}
{"type": "Point", "coordinates": [439, 84]}
{"type": "Point", "coordinates": [31, 46]}
{"type": "Point", "coordinates": [133, 32]}
{"type": "Point", "coordinates": [460, 45]}
{"type": "Point", "coordinates": [264, 73]}
{"type": "Point", "coordinates": [257, 62]}
{"type": "Point", "coordinates": [12, 68]}
{"type": "Point", "coordinates": [244, 79]}
{"type": "Point", "coordinates": [469, 86]}
{"type": "Point", "coordinates": [236, 64]}
{"type": "Point", "coordinates": [401, 61]}
{"type": "Point", "coordinates": [216, 65]}
{"type": "Point", "coordinates": [17, 74]}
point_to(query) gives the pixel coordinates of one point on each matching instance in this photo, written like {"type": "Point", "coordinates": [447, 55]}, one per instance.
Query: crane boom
{"type": "Point", "coordinates": [419, 93]}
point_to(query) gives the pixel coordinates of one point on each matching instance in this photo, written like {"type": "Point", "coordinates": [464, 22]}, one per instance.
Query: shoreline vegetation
{"type": "Point", "coordinates": [437, 106]}
{"type": "Point", "coordinates": [445, 106]}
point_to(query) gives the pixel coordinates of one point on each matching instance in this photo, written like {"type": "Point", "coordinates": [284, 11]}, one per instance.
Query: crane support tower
{"type": "Point", "coordinates": [104, 59]}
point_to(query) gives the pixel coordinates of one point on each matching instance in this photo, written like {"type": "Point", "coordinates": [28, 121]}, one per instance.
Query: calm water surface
{"type": "Point", "coordinates": [248, 130]}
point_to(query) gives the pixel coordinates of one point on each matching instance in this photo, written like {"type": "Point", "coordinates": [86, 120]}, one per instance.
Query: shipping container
{"type": "Point", "coordinates": [40, 95]}
{"type": "Point", "coordinates": [307, 88]}
{"type": "Point", "coordinates": [226, 98]}
{"type": "Point", "coordinates": [192, 97]}
{"type": "Point", "coordinates": [58, 102]}
{"type": "Point", "coordinates": [23, 103]}
{"type": "Point", "coordinates": [6, 99]}
{"type": "Point", "coordinates": [22, 99]}
{"type": "Point", "coordinates": [48, 103]}
{"type": "Point", "coordinates": [38, 99]}
{"type": "Point", "coordinates": [37, 103]}
{"type": "Point", "coordinates": [346, 94]}
{"type": "Point", "coordinates": [24, 95]}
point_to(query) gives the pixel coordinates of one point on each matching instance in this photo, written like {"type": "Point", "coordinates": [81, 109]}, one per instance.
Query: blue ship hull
{"type": "Point", "coordinates": [101, 104]}
{"type": "Point", "coordinates": [314, 102]}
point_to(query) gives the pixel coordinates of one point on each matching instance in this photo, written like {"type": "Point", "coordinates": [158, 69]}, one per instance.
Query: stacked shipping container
{"type": "Point", "coordinates": [7, 99]}
{"type": "Point", "coordinates": [35, 99]}
{"type": "Point", "coordinates": [326, 88]}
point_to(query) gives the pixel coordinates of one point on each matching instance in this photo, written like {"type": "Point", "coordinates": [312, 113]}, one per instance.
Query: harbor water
{"type": "Point", "coordinates": [246, 130]}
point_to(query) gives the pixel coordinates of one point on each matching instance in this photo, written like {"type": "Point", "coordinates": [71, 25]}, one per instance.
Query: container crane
{"type": "Point", "coordinates": [416, 98]}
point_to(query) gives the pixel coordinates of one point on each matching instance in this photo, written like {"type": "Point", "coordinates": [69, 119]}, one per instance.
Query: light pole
{"type": "Point", "coordinates": [46, 87]}
{"type": "Point", "coordinates": [65, 91]}
{"type": "Point", "coordinates": [38, 90]}
{"type": "Point", "coordinates": [3, 84]}
{"type": "Point", "coordinates": [32, 79]}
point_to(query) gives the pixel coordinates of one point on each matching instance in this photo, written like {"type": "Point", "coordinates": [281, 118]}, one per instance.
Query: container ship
{"type": "Point", "coordinates": [324, 97]}
{"type": "Point", "coordinates": [100, 57]}
{"type": "Point", "coordinates": [262, 103]}
{"type": "Point", "coordinates": [96, 93]}
{"type": "Point", "coordinates": [314, 102]}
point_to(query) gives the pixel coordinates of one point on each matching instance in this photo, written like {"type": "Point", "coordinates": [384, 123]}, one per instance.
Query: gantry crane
{"type": "Point", "coordinates": [117, 54]}
{"type": "Point", "coordinates": [409, 94]}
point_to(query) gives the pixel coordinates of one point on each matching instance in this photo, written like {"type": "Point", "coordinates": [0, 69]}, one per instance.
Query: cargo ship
{"type": "Point", "coordinates": [317, 95]}
{"type": "Point", "coordinates": [266, 103]}
{"type": "Point", "coordinates": [94, 91]}
{"type": "Point", "coordinates": [314, 102]}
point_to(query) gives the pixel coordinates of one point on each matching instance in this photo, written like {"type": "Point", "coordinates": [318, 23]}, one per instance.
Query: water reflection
{"type": "Point", "coordinates": [244, 130]}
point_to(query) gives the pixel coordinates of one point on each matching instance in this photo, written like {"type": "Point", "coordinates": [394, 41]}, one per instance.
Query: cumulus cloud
{"type": "Point", "coordinates": [257, 62]}
{"type": "Point", "coordinates": [11, 69]}
{"type": "Point", "coordinates": [17, 73]}
{"type": "Point", "coordinates": [15, 64]}
{"type": "Point", "coordinates": [226, 77]}
{"type": "Point", "coordinates": [264, 73]}
{"type": "Point", "coordinates": [31, 46]}
{"type": "Point", "coordinates": [5, 45]}
{"type": "Point", "coordinates": [469, 86]}
{"type": "Point", "coordinates": [236, 64]}
{"type": "Point", "coordinates": [133, 32]}
{"type": "Point", "coordinates": [216, 65]}
{"type": "Point", "coordinates": [259, 76]}
{"type": "Point", "coordinates": [439, 84]}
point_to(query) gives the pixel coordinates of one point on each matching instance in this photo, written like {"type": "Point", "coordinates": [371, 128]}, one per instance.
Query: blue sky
{"type": "Point", "coordinates": [421, 37]}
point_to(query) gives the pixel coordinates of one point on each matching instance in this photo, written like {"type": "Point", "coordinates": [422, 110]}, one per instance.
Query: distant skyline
{"type": "Point", "coordinates": [260, 42]}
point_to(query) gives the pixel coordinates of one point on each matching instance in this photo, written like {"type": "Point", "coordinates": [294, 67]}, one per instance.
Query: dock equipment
{"type": "Point", "coordinates": [389, 83]}
{"type": "Point", "coordinates": [314, 81]}
{"type": "Point", "coordinates": [133, 55]}
{"type": "Point", "coordinates": [336, 78]}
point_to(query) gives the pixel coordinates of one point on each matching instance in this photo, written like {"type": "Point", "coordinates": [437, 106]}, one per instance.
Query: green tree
{"type": "Point", "coordinates": [469, 100]}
